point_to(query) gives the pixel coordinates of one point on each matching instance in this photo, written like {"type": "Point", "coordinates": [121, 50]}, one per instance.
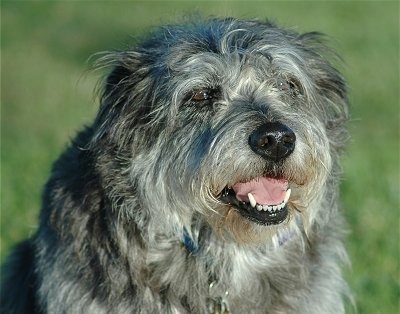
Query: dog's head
{"type": "Point", "coordinates": [236, 123]}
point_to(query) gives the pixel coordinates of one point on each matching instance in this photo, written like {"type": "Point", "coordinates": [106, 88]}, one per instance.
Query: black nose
{"type": "Point", "coordinates": [273, 141]}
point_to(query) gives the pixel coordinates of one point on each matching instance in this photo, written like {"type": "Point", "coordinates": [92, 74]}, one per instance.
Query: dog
{"type": "Point", "coordinates": [207, 183]}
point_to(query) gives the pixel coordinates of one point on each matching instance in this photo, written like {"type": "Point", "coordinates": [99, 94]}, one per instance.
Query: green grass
{"type": "Point", "coordinates": [47, 96]}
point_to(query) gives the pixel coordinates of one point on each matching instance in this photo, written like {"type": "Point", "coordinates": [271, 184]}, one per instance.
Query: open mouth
{"type": "Point", "coordinates": [262, 200]}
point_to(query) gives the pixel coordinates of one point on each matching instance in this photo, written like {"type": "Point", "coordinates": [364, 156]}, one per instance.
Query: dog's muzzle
{"type": "Point", "coordinates": [264, 199]}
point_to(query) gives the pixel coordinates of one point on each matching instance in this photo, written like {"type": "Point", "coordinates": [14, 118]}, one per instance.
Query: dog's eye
{"type": "Point", "coordinates": [289, 84]}
{"type": "Point", "coordinates": [203, 94]}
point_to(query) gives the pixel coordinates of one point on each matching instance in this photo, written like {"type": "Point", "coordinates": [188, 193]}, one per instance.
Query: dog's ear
{"type": "Point", "coordinates": [124, 93]}
{"type": "Point", "coordinates": [116, 78]}
{"type": "Point", "coordinates": [329, 81]}
{"type": "Point", "coordinates": [331, 87]}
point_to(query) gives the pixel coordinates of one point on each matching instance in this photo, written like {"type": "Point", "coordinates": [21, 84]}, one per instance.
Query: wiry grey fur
{"type": "Point", "coordinates": [150, 170]}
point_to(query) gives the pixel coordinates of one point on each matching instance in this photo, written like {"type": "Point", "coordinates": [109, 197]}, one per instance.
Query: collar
{"type": "Point", "coordinates": [194, 248]}
{"type": "Point", "coordinates": [191, 246]}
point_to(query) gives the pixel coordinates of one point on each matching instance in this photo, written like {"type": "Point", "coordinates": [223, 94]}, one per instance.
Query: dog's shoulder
{"type": "Point", "coordinates": [19, 281]}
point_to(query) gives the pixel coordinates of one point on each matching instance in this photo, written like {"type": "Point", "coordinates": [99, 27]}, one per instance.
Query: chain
{"type": "Point", "coordinates": [218, 305]}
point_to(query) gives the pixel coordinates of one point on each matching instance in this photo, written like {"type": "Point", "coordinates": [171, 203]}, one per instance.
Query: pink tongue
{"type": "Point", "coordinates": [266, 191]}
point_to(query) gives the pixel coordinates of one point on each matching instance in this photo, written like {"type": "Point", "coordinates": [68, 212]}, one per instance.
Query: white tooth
{"type": "Point", "coordinates": [274, 208]}
{"type": "Point", "coordinates": [252, 200]}
{"type": "Point", "coordinates": [259, 207]}
{"type": "Point", "coordinates": [287, 196]}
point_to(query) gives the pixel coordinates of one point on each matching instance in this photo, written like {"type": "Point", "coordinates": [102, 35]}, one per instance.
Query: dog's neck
{"type": "Point", "coordinates": [193, 246]}
{"type": "Point", "coordinates": [218, 299]}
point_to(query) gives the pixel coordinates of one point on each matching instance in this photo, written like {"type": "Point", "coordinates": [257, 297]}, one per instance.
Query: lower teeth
{"type": "Point", "coordinates": [269, 208]}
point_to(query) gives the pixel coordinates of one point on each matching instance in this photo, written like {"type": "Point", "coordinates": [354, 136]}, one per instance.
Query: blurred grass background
{"type": "Point", "coordinates": [47, 95]}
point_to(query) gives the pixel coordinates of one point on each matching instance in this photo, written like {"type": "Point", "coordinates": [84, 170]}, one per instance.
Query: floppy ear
{"type": "Point", "coordinates": [329, 81]}
{"type": "Point", "coordinates": [124, 101]}
{"type": "Point", "coordinates": [333, 89]}
{"type": "Point", "coordinates": [331, 86]}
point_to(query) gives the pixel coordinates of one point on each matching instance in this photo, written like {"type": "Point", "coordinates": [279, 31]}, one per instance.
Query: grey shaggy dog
{"type": "Point", "coordinates": [207, 183]}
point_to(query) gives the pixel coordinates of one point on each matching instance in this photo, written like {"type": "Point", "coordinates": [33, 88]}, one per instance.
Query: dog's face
{"type": "Point", "coordinates": [228, 122]}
